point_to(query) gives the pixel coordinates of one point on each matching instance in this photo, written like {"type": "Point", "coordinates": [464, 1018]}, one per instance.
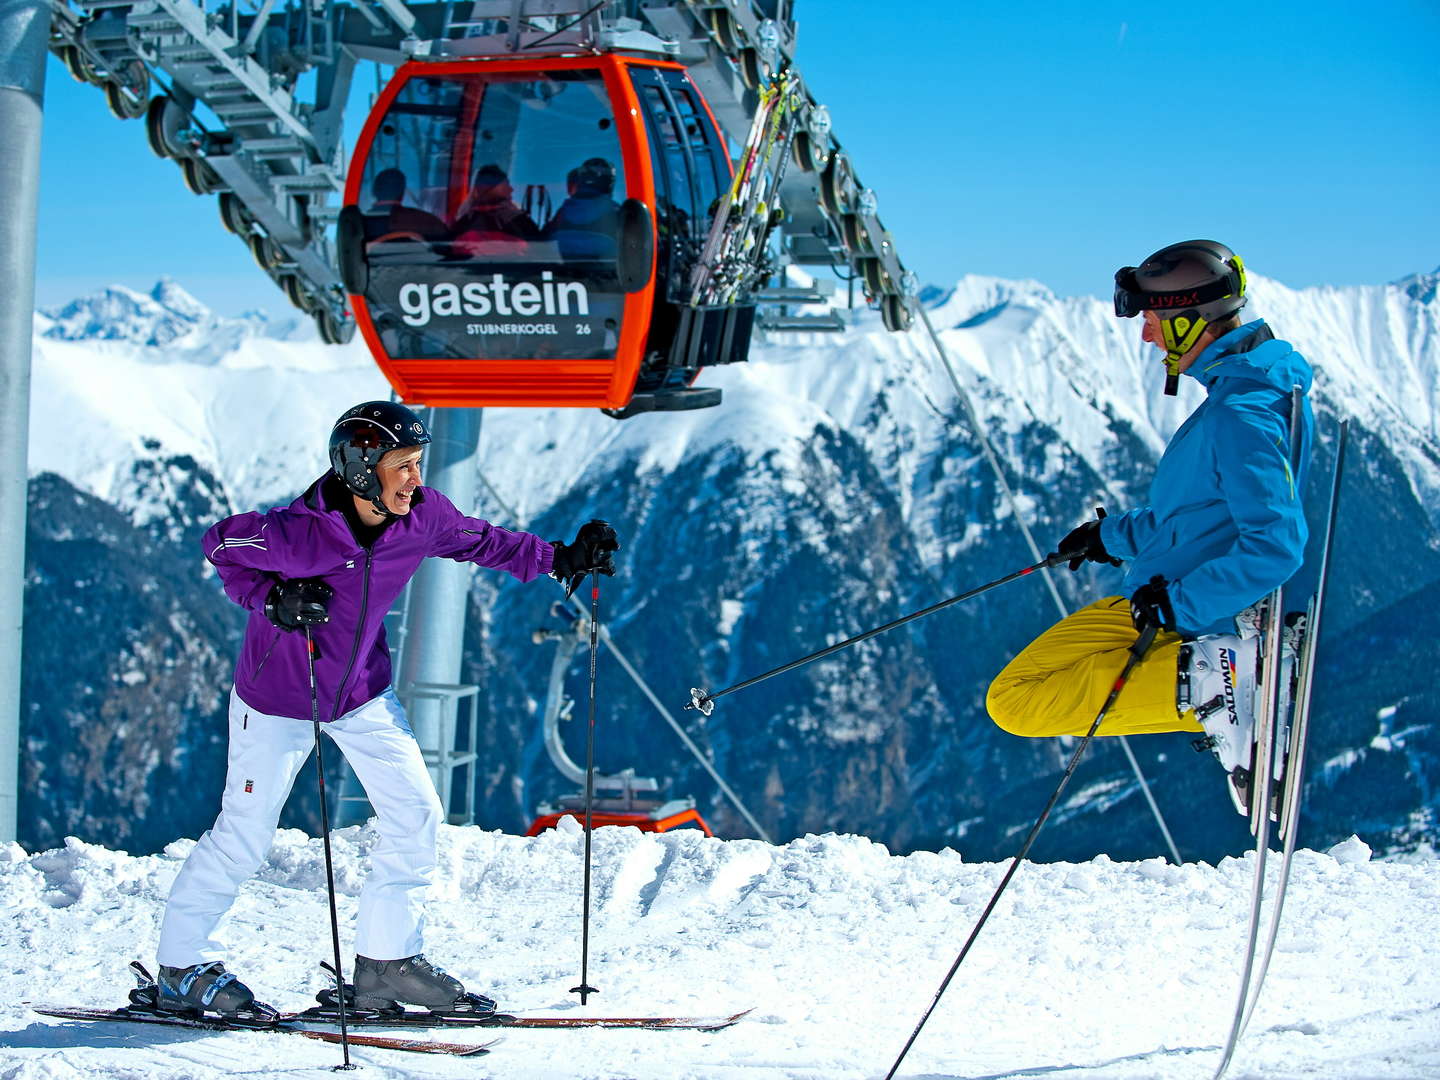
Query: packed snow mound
{"type": "Point", "coordinates": [1100, 969]}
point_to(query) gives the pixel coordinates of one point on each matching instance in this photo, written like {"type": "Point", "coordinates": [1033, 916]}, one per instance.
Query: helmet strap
{"type": "Point", "coordinates": [1181, 333]}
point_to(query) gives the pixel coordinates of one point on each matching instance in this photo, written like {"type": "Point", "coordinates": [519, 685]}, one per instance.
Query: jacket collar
{"type": "Point", "coordinates": [1242, 339]}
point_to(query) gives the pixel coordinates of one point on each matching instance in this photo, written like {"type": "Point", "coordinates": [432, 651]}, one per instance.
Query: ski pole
{"type": "Point", "coordinates": [1137, 653]}
{"type": "Point", "coordinates": [585, 989]}
{"type": "Point", "coordinates": [705, 702]}
{"type": "Point", "coordinates": [329, 864]}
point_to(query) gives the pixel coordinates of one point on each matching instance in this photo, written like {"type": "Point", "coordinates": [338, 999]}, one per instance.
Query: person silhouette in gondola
{"type": "Point", "coordinates": [489, 222]}
{"type": "Point", "coordinates": [587, 225]}
{"type": "Point", "coordinates": [389, 219]}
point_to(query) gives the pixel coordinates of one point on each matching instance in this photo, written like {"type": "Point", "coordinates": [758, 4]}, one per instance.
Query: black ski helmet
{"type": "Point", "coordinates": [1191, 284]}
{"type": "Point", "coordinates": [365, 434]}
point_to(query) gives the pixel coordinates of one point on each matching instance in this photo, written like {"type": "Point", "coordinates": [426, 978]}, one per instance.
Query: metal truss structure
{"type": "Point", "coordinates": [249, 98]}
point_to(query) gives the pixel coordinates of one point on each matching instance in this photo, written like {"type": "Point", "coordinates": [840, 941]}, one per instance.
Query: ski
{"type": "Point", "coordinates": [398, 1016]}
{"type": "Point", "coordinates": [417, 1018]}
{"type": "Point", "coordinates": [1288, 779]}
{"type": "Point", "coordinates": [1293, 772]}
{"type": "Point", "coordinates": [735, 247]}
{"type": "Point", "coordinates": [284, 1026]}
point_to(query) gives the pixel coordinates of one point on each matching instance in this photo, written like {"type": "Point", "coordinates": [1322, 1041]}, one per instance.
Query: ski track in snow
{"type": "Point", "coordinates": [1097, 970]}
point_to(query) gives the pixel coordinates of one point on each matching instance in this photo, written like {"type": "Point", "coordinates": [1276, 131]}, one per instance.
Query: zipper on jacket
{"type": "Point", "coordinates": [359, 632]}
{"type": "Point", "coordinates": [266, 658]}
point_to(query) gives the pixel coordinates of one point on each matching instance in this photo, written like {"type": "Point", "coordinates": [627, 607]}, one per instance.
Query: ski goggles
{"type": "Point", "coordinates": [1131, 299]}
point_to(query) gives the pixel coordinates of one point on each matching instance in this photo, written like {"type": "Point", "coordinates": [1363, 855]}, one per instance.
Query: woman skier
{"type": "Point", "coordinates": [335, 561]}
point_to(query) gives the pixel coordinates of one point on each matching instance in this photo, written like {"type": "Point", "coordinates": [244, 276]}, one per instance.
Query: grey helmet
{"type": "Point", "coordinates": [365, 434]}
{"type": "Point", "coordinates": [1191, 285]}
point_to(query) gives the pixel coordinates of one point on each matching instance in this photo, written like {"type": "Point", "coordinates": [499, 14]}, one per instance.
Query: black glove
{"type": "Point", "coordinates": [1150, 606]}
{"type": "Point", "coordinates": [590, 552]}
{"type": "Point", "coordinates": [302, 602]}
{"type": "Point", "coordinates": [1082, 544]}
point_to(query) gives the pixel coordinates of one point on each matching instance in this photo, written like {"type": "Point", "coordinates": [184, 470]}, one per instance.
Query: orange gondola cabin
{"type": "Point", "coordinates": [522, 232]}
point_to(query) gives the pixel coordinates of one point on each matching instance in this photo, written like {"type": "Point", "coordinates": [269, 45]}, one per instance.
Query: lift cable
{"type": "Point", "coordinates": [639, 681]}
{"type": "Point", "coordinates": [989, 450]}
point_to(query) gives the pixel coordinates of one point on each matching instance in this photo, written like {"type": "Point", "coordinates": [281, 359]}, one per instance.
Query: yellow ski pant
{"type": "Point", "coordinates": [1058, 682]}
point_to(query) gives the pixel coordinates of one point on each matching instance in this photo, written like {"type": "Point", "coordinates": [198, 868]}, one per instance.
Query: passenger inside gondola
{"type": "Point", "coordinates": [390, 220]}
{"type": "Point", "coordinates": [489, 222]}
{"type": "Point", "coordinates": [587, 224]}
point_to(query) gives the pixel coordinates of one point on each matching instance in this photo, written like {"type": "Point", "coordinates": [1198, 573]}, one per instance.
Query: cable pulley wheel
{"type": "Point", "coordinates": [199, 177]}
{"type": "Point", "coordinates": [876, 279]}
{"type": "Point", "coordinates": [722, 25]}
{"type": "Point", "coordinates": [295, 292]}
{"type": "Point", "coordinates": [164, 120]}
{"type": "Point", "coordinates": [233, 215]}
{"type": "Point", "coordinates": [127, 91]}
{"type": "Point", "coordinates": [837, 185]}
{"type": "Point", "coordinates": [81, 69]}
{"type": "Point", "coordinates": [895, 313]}
{"type": "Point", "coordinates": [752, 68]}
{"type": "Point", "coordinates": [268, 254]}
{"type": "Point", "coordinates": [809, 156]}
{"type": "Point", "coordinates": [857, 237]}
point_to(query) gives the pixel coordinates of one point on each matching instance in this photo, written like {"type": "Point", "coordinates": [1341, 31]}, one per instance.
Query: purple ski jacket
{"type": "Point", "coordinates": [311, 538]}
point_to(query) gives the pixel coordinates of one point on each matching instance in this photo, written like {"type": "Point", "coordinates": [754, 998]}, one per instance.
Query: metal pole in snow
{"type": "Point", "coordinates": [24, 34]}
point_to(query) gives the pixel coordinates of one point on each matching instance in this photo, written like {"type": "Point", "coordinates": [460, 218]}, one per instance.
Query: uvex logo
{"type": "Point", "coordinates": [1189, 299]}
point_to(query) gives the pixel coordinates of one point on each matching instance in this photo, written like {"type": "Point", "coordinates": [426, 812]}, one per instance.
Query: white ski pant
{"type": "Point", "coordinates": [266, 752]}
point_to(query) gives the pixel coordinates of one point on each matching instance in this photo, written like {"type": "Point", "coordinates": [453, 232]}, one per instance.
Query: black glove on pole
{"type": "Point", "coordinates": [298, 602]}
{"type": "Point", "coordinates": [1083, 544]}
{"type": "Point", "coordinates": [1150, 606]}
{"type": "Point", "coordinates": [591, 552]}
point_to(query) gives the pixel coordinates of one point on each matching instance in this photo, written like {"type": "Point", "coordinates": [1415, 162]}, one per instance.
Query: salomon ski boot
{"type": "Point", "coordinates": [203, 988]}
{"type": "Point", "coordinates": [381, 985]}
{"type": "Point", "coordinates": [1218, 683]}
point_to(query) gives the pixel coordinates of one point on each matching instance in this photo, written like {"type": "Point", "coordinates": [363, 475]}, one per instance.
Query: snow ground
{"type": "Point", "coordinates": [1097, 970]}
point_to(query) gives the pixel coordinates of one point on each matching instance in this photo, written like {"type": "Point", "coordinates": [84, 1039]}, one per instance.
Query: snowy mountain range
{"type": "Point", "coordinates": [838, 486]}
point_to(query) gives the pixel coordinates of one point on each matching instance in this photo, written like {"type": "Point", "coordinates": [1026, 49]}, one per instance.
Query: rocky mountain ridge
{"type": "Point", "coordinates": [839, 485]}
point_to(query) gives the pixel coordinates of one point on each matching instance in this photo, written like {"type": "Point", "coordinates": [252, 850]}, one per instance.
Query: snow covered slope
{"type": "Point", "coordinates": [1106, 969]}
{"type": "Point", "coordinates": [837, 486]}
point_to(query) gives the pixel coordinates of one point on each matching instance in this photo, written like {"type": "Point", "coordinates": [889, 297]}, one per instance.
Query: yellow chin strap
{"type": "Point", "coordinates": [1181, 332]}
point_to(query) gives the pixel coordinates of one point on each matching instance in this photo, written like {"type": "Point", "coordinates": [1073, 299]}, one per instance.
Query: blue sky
{"type": "Point", "coordinates": [1036, 140]}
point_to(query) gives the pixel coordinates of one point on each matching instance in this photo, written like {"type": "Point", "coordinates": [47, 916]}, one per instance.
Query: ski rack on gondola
{"type": "Point", "coordinates": [250, 106]}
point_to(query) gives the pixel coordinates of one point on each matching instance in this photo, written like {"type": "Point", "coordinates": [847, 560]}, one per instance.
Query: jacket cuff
{"type": "Point", "coordinates": [547, 558]}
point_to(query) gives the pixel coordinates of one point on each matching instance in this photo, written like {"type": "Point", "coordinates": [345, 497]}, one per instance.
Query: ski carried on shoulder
{"type": "Point", "coordinates": [327, 1012]}
{"type": "Point", "coordinates": [1279, 764]}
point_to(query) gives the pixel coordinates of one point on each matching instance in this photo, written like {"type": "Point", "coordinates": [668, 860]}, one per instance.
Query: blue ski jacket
{"type": "Point", "coordinates": [1225, 524]}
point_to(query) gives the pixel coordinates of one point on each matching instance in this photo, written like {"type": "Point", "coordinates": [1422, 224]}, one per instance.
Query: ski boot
{"type": "Point", "coordinates": [1217, 681]}
{"type": "Point", "coordinates": [381, 985]}
{"type": "Point", "coordinates": [203, 988]}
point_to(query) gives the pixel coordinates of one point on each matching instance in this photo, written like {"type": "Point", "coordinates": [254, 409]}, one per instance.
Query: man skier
{"type": "Point", "coordinates": [334, 561]}
{"type": "Point", "coordinates": [1223, 528]}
